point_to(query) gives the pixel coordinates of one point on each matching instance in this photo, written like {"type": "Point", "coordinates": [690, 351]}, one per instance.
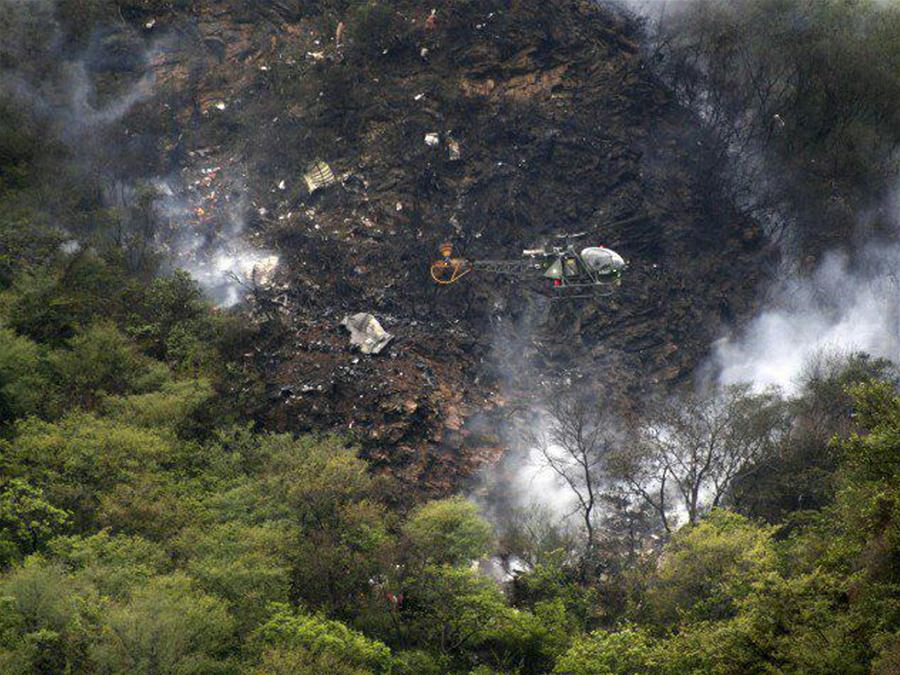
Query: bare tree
{"type": "Point", "coordinates": [685, 458]}
{"type": "Point", "coordinates": [574, 444]}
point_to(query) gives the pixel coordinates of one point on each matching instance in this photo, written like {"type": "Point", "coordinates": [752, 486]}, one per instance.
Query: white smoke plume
{"type": "Point", "coordinates": [844, 306]}
{"type": "Point", "coordinates": [524, 478]}
{"type": "Point", "coordinates": [208, 240]}
{"type": "Point", "coordinates": [849, 303]}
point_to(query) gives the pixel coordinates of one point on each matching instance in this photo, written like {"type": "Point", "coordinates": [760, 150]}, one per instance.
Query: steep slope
{"type": "Point", "coordinates": [560, 127]}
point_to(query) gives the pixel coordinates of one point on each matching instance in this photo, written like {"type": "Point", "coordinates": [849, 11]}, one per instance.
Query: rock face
{"type": "Point", "coordinates": [497, 125]}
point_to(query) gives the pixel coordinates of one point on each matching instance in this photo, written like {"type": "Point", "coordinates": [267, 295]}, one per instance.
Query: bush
{"type": "Point", "coordinates": [80, 459]}
{"type": "Point", "coordinates": [27, 520]}
{"type": "Point", "coordinates": [101, 361]}
{"type": "Point", "coordinates": [629, 651]}
{"type": "Point", "coordinates": [167, 626]}
{"type": "Point", "coordinates": [448, 531]}
{"type": "Point", "coordinates": [51, 305]}
{"type": "Point", "coordinates": [314, 638]}
{"type": "Point", "coordinates": [25, 386]}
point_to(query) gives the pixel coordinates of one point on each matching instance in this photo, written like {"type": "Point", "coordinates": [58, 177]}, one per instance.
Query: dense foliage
{"type": "Point", "coordinates": [146, 528]}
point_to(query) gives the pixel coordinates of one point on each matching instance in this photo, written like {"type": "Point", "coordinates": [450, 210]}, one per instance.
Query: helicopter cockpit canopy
{"type": "Point", "coordinates": [598, 260]}
{"type": "Point", "coordinates": [603, 260]}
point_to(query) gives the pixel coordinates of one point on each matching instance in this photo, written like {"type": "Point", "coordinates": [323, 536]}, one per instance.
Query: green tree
{"type": "Point", "coordinates": [173, 406]}
{"type": "Point", "coordinates": [451, 610]}
{"type": "Point", "coordinates": [303, 641]}
{"type": "Point", "coordinates": [100, 361]}
{"type": "Point", "coordinates": [341, 539]}
{"type": "Point", "coordinates": [707, 568]}
{"type": "Point", "coordinates": [80, 459]}
{"type": "Point", "coordinates": [246, 565]}
{"type": "Point", "coordinates": [166, 626]}
{"type": "Point", "coordinates": [447, 532]}
{"type": "Point", "coordinates": [48, 621]}
{"type": "Point", "coordinates": [113, 564]}
{"type": "Point", "coordinates": [49, 305]}
{"type": "Point", "coordinates": [26, 518]}
{"type": "Point", "coordinates": [628, 651]}
{"type": "Point", "coordinates": [24, 382]}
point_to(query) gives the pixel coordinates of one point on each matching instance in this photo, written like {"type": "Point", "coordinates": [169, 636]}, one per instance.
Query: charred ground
{"type": "Point", "coordinates": [561, 127]}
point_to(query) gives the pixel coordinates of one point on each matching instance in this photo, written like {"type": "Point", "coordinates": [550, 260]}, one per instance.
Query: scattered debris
{"type": "Point", "coordinates": [366, 333]}
{"type": "Point", "coordinates": [373, 245]}
{"type": "Point", "coordinates": [432, 139]}
{"type": "Point", "coordinates": [281, 185]}
{"type": "Point", "coordinates": [220, 105]}
{"type": "Point", "coordinates": [431, 21]}
{"type": "Point", "coordinates": [150, 24]}
{"type": "Point", "coordinates": [453, 149]}
{"type": "Point", "coordinates": [316, 56]}
{"type": "Point", "coordinates": [319, 175]}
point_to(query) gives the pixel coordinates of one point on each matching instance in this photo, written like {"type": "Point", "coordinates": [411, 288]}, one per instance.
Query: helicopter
{"type": "Point", "coordinates": [570, 273]}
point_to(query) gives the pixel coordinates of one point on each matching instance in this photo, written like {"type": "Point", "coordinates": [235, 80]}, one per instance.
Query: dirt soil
{"type": "Point", "coordinates": [560, 127]}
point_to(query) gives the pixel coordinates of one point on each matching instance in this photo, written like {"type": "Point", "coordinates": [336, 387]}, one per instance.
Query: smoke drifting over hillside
{"type": "Point", "coordinates": [843, 306]}
{"type": "Point", "coordinates": [84, 96]}
{"type": "Point", "coordinates": [815, 180]}
{"type": "Point", "coordinates": [212, 250]}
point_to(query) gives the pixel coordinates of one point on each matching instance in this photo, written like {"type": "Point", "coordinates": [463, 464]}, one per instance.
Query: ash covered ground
{"type": "Point", "coordinates": [547, 118]}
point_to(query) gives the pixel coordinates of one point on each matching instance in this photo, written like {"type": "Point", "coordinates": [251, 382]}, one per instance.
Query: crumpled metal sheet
{"type": "Point", "coordinates": [318, 176]}
{"type": "Point", "coordinates": [366, 333]}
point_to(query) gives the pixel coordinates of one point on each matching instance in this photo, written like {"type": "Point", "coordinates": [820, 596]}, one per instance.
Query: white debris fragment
{"type": "Point", "coordinates": [453, 149]}
{"type": "Point", "coordinates": [316, 56]}
{"type": "Point", "coordinates": [281, 185]}
{"type": "Point", "coordinates": [399, 206]}
{"type": "Point", "coordinates": [419, 97]}
{"type": "Point", "coordinates": [366, 333]}
{"type": "Point", "coordinates": [262, 269]}
{"type": "Point", "coordinates": [432, 139]}
{"type": "Point", "coordinates": [424, 52]}
{"type": "Point", "coordinates": [150, 24]}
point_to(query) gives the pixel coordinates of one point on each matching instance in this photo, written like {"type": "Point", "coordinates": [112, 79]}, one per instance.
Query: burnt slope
{"type": "Point", "coordinates": [561, 127]}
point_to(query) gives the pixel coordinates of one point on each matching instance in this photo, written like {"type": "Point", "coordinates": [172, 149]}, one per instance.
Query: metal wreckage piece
{"type": "Point", "coordinates": [366, 333]}
{"type": "Point", "coordinates": [319, 176]}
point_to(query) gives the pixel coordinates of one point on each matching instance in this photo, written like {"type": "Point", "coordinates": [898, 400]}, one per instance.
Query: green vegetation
{"type": "Point", "coordinates": [145, 527]}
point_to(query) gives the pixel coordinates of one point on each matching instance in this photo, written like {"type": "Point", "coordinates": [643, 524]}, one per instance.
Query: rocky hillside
{"type": "Point", "coordinates": [540, 118]}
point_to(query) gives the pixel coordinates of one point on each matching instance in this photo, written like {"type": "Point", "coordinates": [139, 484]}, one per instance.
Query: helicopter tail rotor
{"type": "Point", "coordinates": [448, 270]}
